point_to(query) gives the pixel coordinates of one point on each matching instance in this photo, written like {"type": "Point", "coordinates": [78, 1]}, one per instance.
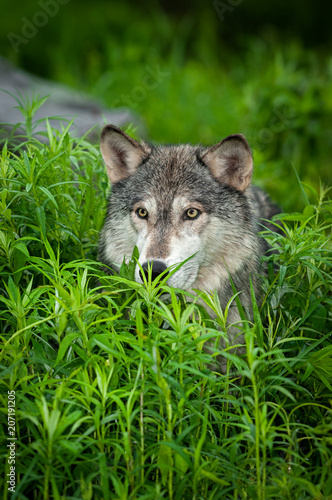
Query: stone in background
{"type": "Point", "coordinates": [64, 103]}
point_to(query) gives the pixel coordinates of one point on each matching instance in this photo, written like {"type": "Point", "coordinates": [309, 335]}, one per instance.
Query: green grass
{"type": "Point", "coordinates": [114, 395]}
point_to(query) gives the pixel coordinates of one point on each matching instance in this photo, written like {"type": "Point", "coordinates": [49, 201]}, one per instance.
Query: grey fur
{"type": "Point", "coordinates": [164, 181]}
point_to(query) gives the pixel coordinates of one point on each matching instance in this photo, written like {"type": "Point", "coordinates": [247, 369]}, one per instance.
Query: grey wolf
{"type": "Point", "coordinates": [178, 201]}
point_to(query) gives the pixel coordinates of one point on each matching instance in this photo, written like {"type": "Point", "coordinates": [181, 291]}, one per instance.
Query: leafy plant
{"type": "Point", "coordinates": [116, 395]}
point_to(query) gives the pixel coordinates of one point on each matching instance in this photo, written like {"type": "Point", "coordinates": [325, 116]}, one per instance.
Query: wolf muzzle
{"type": "Point", "coordinates": [157, 266]}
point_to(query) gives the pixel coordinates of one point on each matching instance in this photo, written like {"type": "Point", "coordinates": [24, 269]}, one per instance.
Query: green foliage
{"type": "Point", "coordinates": [116, 396]}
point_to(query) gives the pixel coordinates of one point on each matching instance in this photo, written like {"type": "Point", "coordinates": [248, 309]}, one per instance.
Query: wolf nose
{"type": "Point", "coordinates": [158, 267]}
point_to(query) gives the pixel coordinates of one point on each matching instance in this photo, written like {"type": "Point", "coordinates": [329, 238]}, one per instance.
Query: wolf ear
{"type": "Point", "coordinates": [230, 161]}
{"type": "Point", "coordinates": [121, 153]}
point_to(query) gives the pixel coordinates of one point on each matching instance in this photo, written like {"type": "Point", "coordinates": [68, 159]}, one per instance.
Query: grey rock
{"type": "Point", "coordinates": [64, 103]}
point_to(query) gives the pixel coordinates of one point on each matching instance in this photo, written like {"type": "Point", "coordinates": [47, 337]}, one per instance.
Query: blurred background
{"type": "Point", "coordinates": [196, 71]}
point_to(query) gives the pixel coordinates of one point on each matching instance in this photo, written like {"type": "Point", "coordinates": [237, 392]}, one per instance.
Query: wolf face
{"type": "Point", "coordinates": [176, 202]}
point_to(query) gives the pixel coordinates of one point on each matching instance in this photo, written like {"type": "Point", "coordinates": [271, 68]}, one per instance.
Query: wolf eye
{"type": "Point", "coordinates": [142, 213]}
{"type": "Point", "coordinates": [192, 213]}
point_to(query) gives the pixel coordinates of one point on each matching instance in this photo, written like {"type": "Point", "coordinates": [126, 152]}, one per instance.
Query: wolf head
{"type": "Point", "coordinates": [176, 202]}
